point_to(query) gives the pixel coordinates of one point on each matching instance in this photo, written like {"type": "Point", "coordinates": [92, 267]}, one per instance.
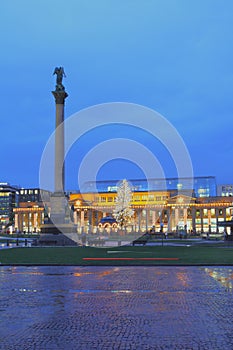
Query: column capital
{"type": "Point", "coordinates": [60, 96]}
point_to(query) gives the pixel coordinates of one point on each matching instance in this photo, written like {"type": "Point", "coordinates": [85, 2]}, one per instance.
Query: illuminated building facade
{"type": "Point", "coordinates": [29, 217]}
{"type": "Point", "coordinates": [31, 211]}
{"type": "Point", "coordinates": [172, 209]}
{"type": "Point", "coordinates": [168, 204]}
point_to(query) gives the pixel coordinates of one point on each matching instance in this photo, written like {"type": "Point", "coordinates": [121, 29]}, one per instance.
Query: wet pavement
{"type": "Point", "coordinates": [116, 308]}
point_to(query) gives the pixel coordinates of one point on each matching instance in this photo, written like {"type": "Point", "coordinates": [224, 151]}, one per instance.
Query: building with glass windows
{"type": "Point", "coordinates": [173, 204]}
{"type": "Point", "coordinates": [9, 196]}
{"type": "Point", "coordinates": [201, 186]}
{"type": "Point", "coordinates": [225, 190]}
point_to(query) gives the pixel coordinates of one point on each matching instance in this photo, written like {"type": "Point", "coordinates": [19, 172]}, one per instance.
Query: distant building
{"type": "Point", "coordinates": [154, 208]}
{"type": "Point", "coordinates": [225, 190]}
{"type": "Point", "coordinates": [29, 217]}
{"type": "Point", "coordinates": [195, 205]}
{"type": "Point", "coordinates": [31, 210]}
{"type": "Point", "coordinates": [33, 195]}
{"type": "Point", "coordinates": [9, 196]}
{"type": "Point", "coordinates": [175, 204]}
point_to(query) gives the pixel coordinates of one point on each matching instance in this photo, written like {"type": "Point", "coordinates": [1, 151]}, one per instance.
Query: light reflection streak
{"type": "Point", "coordinates": [96, 291]}
{"type": "Point", "coordinates": [183, 278]}
{"type": "Point", "coordinates": [223, 276]}
{"type": "Point", "coordinates": [75, 274]}
{"type": "Point", "coordinates": [122, 291]}
{"type": "Point", "coordinates": [27, 290]}
{"type": "Point", "coordinates": [37, 273]}
{"type": "Point", "coordinates": [81, 274]}
{"type": "Point", "coordinates": [15, 271]}
{"type": "Point", "coordinates": [115, 291]}
{"type": "Point", "coordinates": [98, 273]}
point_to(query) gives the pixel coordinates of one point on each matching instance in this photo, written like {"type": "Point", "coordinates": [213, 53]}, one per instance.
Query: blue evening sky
{"type": "Point", "coordinates": [174, 56]}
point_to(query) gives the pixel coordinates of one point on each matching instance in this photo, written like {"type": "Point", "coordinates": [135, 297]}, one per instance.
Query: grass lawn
{"type": "Point", "coordinates": [123, 256]}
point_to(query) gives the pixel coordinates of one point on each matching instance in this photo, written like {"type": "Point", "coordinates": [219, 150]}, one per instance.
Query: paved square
{"type": "Point", "coordinates": [116, 308]}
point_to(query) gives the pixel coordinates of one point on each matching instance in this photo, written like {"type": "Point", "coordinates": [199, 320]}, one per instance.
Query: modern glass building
{"type": "Point", "coordinates": [203, 186]}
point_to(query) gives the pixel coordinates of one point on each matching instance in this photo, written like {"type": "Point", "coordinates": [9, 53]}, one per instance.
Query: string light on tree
{"type": "Point", "coordinates": [123, 212]}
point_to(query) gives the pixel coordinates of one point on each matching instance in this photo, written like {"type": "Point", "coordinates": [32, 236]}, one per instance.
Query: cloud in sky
{"type": "Point", "coordinates": [173, 56]}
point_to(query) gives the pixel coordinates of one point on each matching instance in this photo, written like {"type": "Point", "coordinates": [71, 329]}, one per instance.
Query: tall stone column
{"type": "Point", "coordinates": [201, 215]}
{"type": "Point", "coordinates": [35, 220]}
{"type": "Point", "coordinates": [147, 214]}
{"type": "Point", "coordinates": [59, 221]}
{"type": "Point", "coordinates": [209, 220]}
{"type": "Point", "coordinates": [82, 220]}
{"type": "Point", "coordinates": [185, 216]}
{"type": "Point", "coordinates": [153, 217]}
{"type": "Point", "coordinates": [176, 216]}
{"type": "Point", "coordinates": [75, 217]}
{"type": "Point", "coordinates": [216, 217]}
{"type": "Point", "coordinates": [59, 171]}
{"type": "Point", "coordinates": [90, 221]}
{"type": "Point", "coordinates": [194, 219]}
{"type": "Point", "coordinates": [139, 219]}
{"type": "Point", "coordinates": [17, 221]}
{"type": "Point", "coordinates": [58, 202]}
{"type": "Point", "coordinates": [169, 219]}
{"type": "Point", "coordinates": [20, 227]}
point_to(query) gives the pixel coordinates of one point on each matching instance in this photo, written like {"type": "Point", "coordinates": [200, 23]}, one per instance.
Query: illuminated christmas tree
{"type": "Point", "coordinates": [123, 212]}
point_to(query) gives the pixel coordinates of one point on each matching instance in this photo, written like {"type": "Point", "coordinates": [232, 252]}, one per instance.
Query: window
{"type": "Point", "coordinates": [112, 188]}
{"type": "Point", "coordinates": [4, 194]}
{"type": "Point", "coordinates": [212, 212]}
{"type": "Point", "coordinates": [203, 192]}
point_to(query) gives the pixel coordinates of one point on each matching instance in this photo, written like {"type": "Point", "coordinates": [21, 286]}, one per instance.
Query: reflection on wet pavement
{"type": "Point", "coordinates": [222, 275]}
{"type": "Point", "coordinates": [116, 308]}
